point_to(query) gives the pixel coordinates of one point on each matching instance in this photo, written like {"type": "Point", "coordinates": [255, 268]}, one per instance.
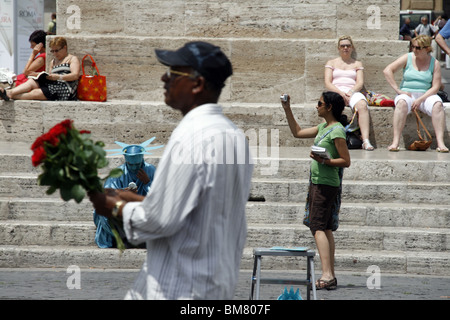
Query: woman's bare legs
{"type": "Point", "coordinates": [364, 123]}
{"type": "Point", "coordinates": [438, 120]}
{"type": "Point", "coordinates": [326, 247]}
{"type": "Point", "coordinates": [29, 90]}
{"type": "Point", "coordinates": [400, 113]}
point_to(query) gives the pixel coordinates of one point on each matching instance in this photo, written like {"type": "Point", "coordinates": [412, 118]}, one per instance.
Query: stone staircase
{"type": "Point", "coordinates": [396, 206]}
{"type": "Point", "coordinates": [395, 212]}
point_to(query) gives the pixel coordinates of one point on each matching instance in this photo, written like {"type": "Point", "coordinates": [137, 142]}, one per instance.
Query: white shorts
{"type": "Point", "coordinates": [355, 98]}
{"type": "Point", "coordinates": [425, 107]}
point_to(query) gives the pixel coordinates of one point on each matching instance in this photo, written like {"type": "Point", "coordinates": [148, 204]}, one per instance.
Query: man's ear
{"type": "Point", "coordinates": [199, 85]}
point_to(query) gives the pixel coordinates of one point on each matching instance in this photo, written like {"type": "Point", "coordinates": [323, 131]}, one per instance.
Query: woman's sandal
{"type": "Point", "coordinates": [393, 149]}
{"type": "Point", "coordinates": [367, 145]}
{"type": "Point", "coordinates": [326, 284]}
{"type": "Point", "coordinates": [3, 94]}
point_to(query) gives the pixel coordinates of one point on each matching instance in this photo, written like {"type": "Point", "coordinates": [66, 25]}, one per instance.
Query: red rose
{"type": "Point", "coordinates": [52, 138]}
{"type": "Point", "coordinates": [57, 130]}
{"type": "Point", "coordinates": [52, 135]}
{"type": "Point", "coordinates": [67, 124]}
{"type": "Point", "coordinates": [38, 156]}
{"type": "Point", "coordinates": [38, 143]}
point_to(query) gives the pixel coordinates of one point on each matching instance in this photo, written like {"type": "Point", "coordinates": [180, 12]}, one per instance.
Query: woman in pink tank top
{"type": "Point", "coordinates": [345, 76]}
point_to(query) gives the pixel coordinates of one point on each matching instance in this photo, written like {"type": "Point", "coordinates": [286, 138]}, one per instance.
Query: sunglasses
{"type": "Point", "coordinates": [418, 48]}
{"type": "Point", "coordinates": [171, 72]}
{"type": "Point", "coordinates": [56, 51]}
{"type": "Point", "coordinates": [320, 103]}
{"type": "Point", "coordinates": [345, 45]}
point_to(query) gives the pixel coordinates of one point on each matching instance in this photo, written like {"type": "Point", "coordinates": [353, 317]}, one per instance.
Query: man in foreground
{"type": "Point", "coordinates": [193, 218]}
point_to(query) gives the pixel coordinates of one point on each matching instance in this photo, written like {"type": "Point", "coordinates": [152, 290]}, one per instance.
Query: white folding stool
{"type": "Point", "coordinates": [258, 253]}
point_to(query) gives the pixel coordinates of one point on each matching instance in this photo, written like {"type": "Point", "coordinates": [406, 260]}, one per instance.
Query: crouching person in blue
{"type": "Point", "coordinates": [137, 176]}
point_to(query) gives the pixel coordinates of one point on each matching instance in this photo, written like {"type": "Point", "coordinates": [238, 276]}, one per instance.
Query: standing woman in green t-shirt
{"type": "Point", "coordinates": [325, 180]}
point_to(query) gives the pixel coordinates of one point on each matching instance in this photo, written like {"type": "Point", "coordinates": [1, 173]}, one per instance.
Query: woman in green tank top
{"type": "Point", "coordinates": [418, 90]}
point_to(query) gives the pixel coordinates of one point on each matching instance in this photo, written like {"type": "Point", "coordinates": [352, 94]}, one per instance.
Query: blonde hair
{"type": "Point", "coordinates": [423, 41]}
{"type": "Point", "coordinates": [58, 42]}
{"type": "Point", "coordinates": [345, 38]}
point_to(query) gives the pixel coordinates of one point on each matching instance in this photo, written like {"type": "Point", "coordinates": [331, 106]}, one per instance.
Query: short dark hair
{"type": "Point", "coordinates": [336, 101]}
{"type": "Point", "coordinates": [38, 36]}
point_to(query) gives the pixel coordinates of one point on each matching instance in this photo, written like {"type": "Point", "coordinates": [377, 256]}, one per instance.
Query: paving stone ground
{"type": "Point", "coordinates": [99, 284]}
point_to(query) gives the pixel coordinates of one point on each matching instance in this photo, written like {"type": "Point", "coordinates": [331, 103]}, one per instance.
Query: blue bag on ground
{"type": "Point", "coordinates": [290, 295]}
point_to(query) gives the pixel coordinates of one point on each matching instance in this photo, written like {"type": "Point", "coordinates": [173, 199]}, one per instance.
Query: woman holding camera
{"type": "Point", "coordinates": [326, 175]}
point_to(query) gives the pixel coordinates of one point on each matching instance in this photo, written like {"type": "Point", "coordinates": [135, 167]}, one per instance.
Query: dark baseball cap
{"type": "Point", "coordinates": [205, 58]}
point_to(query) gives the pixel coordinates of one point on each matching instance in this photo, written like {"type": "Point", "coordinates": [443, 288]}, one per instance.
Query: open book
{"type": "Point", "coordinates": [40, 74]}
{"type": "Point", "coordinates": [321, 152]}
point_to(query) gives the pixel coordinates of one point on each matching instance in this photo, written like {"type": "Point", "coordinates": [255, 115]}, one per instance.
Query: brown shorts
{"type": "Point", "coordinates": [321, 199]}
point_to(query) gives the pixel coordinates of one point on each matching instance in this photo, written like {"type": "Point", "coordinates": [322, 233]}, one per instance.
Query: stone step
{"type": "Point", "coordinates": [51, 233]}
{"type": "Point", "coordinates": [269, 213]}
{"type": "Point", "coordinates": [430, 263]}
{"type": "Point", "coordinates": [136, 121]}
{"type": "Point", "coordinates": [351, 238]}
{"type": "Point", "coordinates": [272, 190]}
{"type": "Point", "coordinates": [282, 163]}
{"type": "Point", "coordinates": [41, 256]}
{"type": "Point", "coordinates": [47, 233]}
{"type": "Point", "coordinates": [11, 256]}
{"type": "Point", "coordinates": [45, 209]}
{"type": "Point", "coordinates": [355, 191]}
{"type": "Point", "coordinates": [354, 214]}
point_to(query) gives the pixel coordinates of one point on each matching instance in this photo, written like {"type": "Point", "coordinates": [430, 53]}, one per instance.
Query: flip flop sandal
{"type": "Point", "coordinates": [443, 150]}
{"type": "Point", "coordinates": [326, 284]}
{"type": "Point", "coordinates": [3, 94]}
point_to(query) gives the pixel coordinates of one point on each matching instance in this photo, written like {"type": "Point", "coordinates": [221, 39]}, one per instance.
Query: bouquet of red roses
{"type": "Point", "coordinates": [70, 161]}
